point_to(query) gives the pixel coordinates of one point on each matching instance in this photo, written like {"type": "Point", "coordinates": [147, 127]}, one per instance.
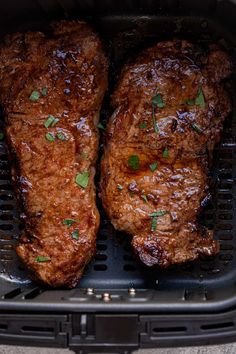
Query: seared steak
{"type": "Point", "coordinates": [51, 90]}
{"type": "Point", "coordinates": [170, 106]}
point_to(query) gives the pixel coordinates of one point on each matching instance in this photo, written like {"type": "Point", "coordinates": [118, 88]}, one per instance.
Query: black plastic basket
{"type": "Point", "coordinates": [120, 305]}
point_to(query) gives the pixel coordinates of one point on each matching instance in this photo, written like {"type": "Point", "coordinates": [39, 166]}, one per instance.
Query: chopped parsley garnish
{"type": "Point", "coordinates": [44, 91]}
{"type": "Point", "coordinates": [1, 136]}
{"type": "Point", "coordinates": [143, 125]}
{"type": "Point", "coordinates": [82, 179]}
{"type": "Point", "coordinates": [154, 224]}
{"type": "Point", "coordinates": [133, 162]}
{"type": "Point", "coordinates": [153, 166]}
{"type": "Point", "coordinates": [154, 217]}
{"type": "Point", "coordinates": [51, 121]}
{"type": "Point", "coordinates": [158, 213]}
{"type": "Point", "coordinates": [190, 102]}
{"type": "Point", "coordinates": [165, 153]}
{"type": "Point", "coordinates": [61, 136]}
{"type": "Point", "coordinates": [68, 222]}
{"type": "Point", "coordinates": [34, 96]}
{"type": "Point", "coordinates": [101, 126]}
{"type": "Point", "coordinates": [144, 197]}
{"type": "Point", "coordinates": [156, 129]}
{"type": "Point", "coordinates": [131, 193]}
{"type": "Point", "coordinates": [199, 100]}
{"type": "Point", "coordinates": [41, 259]}
{"type": "Point", "coordinates": [50, 137]}
{"type": "Point", "coordinates": [158, 101]}
{"type": "Point", "coordinates": [75, 234]}
{"type": "Point", "coordinates": [120, 187]}
{"type": "Point", "coordinates": [196, 128]}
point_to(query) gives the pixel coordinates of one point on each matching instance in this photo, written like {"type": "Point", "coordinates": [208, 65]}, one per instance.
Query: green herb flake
{"type": "Point", "coordinates": [190, 102]}
{"type": "Point", "coordinates": [44, 91]}
{"type": "Point", "coordinates": [143, 125]}
{"type": "Point", "coordinates": [82, 179]}
{"type": "Point", "coordinates": [35, 95]}
{"type": "Point", "coordinates": [158, 213]}
{"type": "Point", "coordinates": [61, 136]}
{"type": "Point", "coordinates": [196, 128]}
{"type": "Point", "coordinates": [55, 121]}
{"type": "Point", "coordinates": [154, 217]}
{"type": "Point", "coordinates": [154, 224]}
{"type": "Point", "coordinates": [51, 121]}
{"type": "Point", "coordinates": [41, 259]}
{"type": "Point", "coordinates": [50, 137]}
{"type": "Point", "coordinates": [75, 234]}
{"type": "Point", "coordinates": [144, 197]}
{"type": "Point", "coordinates": [120, 187]}
{"type": "Point", "coordinates": [157, 101]}
{"type": "Point", "coordinates": [153, 166]}
{"type": "Point", "coordinates": [155, 125]}
{"type": "Point", "coordinates": [131, 194]}
{"type": "Point", "coordinates": [133, 162]}
{"type": "Point", "coordinates": [165, 153]}
{"type": "Point", "coordinates": [200, 100]}
{"type": "Point", "coordinates": [68, 222]}
{"type": "Point", "coordinates": [1, 136]}
{"type": "Point", "coordinates": [101, 126]}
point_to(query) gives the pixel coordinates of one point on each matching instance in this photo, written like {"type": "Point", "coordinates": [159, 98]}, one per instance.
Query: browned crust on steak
{"type": "Point", "coordinates": [72, 66]}
{"type": "Point", "coordinates": [177, 70]}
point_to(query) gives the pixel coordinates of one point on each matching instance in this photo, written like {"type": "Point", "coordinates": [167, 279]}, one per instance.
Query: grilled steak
{"type": "Point", "coordinates": [51, 90]}
{"type": "Point", "coordinates": [169, 110]}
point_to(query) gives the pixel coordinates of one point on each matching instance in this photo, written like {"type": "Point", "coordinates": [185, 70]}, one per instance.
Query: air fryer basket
{"type": "Point", "coordinates": [121, 305]}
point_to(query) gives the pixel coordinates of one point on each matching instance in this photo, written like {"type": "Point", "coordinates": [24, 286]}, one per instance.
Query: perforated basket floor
{"type": "Point", "coordinates": [114, 268]}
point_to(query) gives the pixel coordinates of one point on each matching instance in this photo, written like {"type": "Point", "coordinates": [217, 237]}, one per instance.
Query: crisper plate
{"type": "Point", "coordinates": [114, 267]}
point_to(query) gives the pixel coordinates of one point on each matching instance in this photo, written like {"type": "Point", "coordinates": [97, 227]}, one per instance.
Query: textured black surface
{"type": "Point", "coordinates": [186, 305]}
{"type": "Point", "coordinates": [126, 33]}
{"type": "Point", "coordinates": [114, 266]}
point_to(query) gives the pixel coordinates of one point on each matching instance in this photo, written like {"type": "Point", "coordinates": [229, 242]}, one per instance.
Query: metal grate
{"type": "Point", "coordinates": [114, 266]}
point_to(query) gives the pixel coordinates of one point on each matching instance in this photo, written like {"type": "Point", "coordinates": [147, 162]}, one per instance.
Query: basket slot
{"type": "Point", "coordinates": [37, 329]}
{"type": "Point", "coordinates": [6, 247]}
{"type": "Point", "coordinates": [129, 267]}
{"type": "Point", "coordinates": [100, 257]}
{"type": "Point", "coordinates": [12, 293]}
{"type": "Point", "coordinates": [3, 327]}
{"type": "Point", "coordinates": [6, 207]}
{"type": "Point", "coordinates": [226, 247]}
{"type": "Point", "coordinates": [32, 294]}
{"type": "Point", "coordinates": [214, 326]}
{"type": "Point", "coordinates": [167, 330]}
{"type": "Point", "coordinates": [6, 227]}
{"type": "Point", "coordinates": [6, 197]}
{"type": "Point", "coordinates": [100, 267]}
{"type": "Point", "coordinates": [101, 247]}
{"type": "Point", "coordinates": [226, 237]}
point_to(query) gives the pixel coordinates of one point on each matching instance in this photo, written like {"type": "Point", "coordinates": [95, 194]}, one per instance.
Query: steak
{"type": "Point", "coordinates": [52, 87]}
{"type": "Point", "coordinates": [169, 108]}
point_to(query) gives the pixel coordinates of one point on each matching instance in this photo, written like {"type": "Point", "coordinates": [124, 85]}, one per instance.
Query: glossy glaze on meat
{"type": "Point", "coordinates": [68, 71]}
{"type": "Point", "coordinates": [169, 108]}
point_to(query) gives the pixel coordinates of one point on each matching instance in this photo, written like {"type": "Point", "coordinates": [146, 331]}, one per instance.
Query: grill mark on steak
{"type": "Point", "coordinates": [176, 70]}
{"type": "Point", "coordinates": [72, 66]}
